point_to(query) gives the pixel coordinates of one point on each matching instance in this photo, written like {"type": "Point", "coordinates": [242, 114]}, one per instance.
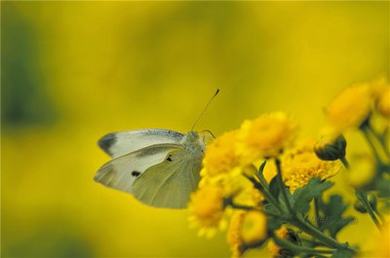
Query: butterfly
{"type": "Point", "coordinates": [159, 167]}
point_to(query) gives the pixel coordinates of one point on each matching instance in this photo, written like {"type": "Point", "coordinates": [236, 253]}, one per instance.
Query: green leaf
{"type": "Point", "coordinates": [383, 187]}
{"type": "Point", "coordinates": [304, 195]}
{"type": "Point", "coordinates": [273, 223]}
{"type": "Point", "coordinates": [274, 187]}
{"type": "Point", "coordinates": [282, 202]}
{"type": "Point", "coordinates": [342, 253]}
{"type": "Point", "coordinates": [333, 220]}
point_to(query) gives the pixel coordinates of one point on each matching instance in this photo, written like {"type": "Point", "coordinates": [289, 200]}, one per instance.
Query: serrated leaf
{"type": "Point", "coordinates": [304, 195]}
{"type": "Point", "coordinates": [333, 220]}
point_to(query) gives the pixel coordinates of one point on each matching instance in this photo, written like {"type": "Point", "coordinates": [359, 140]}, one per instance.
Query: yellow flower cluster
{"type": "Point", "coordinates": [353, 105]}
{"type": "Point", "coordinates": [301, 164]}
{"type": "Point", "coordinates": [263, 137]}
{"type": "Point", "coordinates": [227, 162]}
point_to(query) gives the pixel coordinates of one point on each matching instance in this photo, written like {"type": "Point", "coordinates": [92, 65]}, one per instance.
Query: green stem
{"type": "Point", "coordinates": [363, 199]}
{"type": "Point", "coordinates": [250, 208]}
{"type": "Point", "coordinates": [366, 135]}
{"type": "Point", "coordinates": [313, 231]}
{"type": "Point", "coordinates": [297, 249]}
{"type": "Point", "coordinates": [317, 211]}
{"type": "Point", "coordinates": [381, 140]}
{"type": "Point", "coordinates": [283, 188]}
{"type": "Point", "coordinates": [265, 190]}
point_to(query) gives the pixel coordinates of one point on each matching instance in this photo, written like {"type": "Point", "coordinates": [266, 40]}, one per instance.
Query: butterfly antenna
{"type": "Point", "coordinates": [204, 110]}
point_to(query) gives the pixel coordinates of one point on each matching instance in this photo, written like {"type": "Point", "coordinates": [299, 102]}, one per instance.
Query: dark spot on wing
{"type": "Point", "coordinates": [106, 142]}
{"type": "Point", "coordinates": [135, 173]}
{"type": "Point", "coordinates": [169, 158]}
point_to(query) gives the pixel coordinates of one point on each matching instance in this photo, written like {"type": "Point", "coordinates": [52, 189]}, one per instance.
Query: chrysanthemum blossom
{"type": "Point", "coordinates": [254, 227]}
{"type": "Point", "coordinates": [207, 210]}
{"type": "Point", "coordinates": [383, 103]}
{"type": "Point", "coordinates": [350, 108]}
{"type": "Point", "coordinates": [382, 242]}
{"type": "Point", "coordinates": [381, 92]}
{"type": "Point", "coordinates": [264, 137]}
{"type": "Point", "coordinates": [220, 156]}
{"type": "Point", "coordinates": [234, 233]}
{"type": "Point", "coordinates": [301, 164]}
{"type": "Point", "coordinates": [247, 227]}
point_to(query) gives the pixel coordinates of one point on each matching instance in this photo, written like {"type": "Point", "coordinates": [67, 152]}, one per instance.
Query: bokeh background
{"type": "Point", "coordinates": [73, 71]}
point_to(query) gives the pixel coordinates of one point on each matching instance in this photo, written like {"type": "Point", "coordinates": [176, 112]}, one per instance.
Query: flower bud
{"type": "Point", "coordinates": [330, 148]}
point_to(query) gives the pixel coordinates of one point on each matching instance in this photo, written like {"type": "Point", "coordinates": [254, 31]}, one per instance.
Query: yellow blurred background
{"type": "Point", "coordinates": [73, 71]}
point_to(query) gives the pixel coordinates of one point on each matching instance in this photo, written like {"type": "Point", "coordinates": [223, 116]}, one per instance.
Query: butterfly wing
{"type": "Point", "coordinates": [121, 143]}
{"type": "Point", "coordinates": [121, 172]}
{"type": "Point", "coordinates": [169, 184]}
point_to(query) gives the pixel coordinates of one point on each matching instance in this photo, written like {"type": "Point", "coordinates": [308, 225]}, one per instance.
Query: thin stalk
{"type": "Point", "coordinates": [363, 199]}
{"type": "Point", "coordinates": [283, 188]}
{"type": "Point", "coordinates": [366, 135]}
{"type": "Point", "coordinates": [300, 249]}
{"type": "Point", "coordinates": [380, 139]}
{"type": "Point", "coordinates": [317, 211]}
{"type": "Point", "coordinates": [250, 208]}
{"type": "Point", "coordinates": [265, 190]}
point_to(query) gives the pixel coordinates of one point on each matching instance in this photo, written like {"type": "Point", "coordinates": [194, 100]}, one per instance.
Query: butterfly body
{"type": "Point", "coordinates": [159, 167]}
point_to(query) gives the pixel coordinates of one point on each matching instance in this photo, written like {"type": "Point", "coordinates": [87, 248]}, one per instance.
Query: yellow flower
{"type": "Point", "coordinates": [246, 228]}
{"type": "Point", "coordinates": [266, 136]}
{"type": "Point", "coordinates": [361, 171]}
{"type": "Point", "coordinates": [383, 248]}
{"type": "Point", "coordinates": [234, 185]}
{"type": "Point", "coordinates": [220, 155]}
{"type": "Point", "coordinates": [301, 164]}
{"type": "Point", "coordinates": [383, 103]}
{"type": "Point", "coordinates": [350, 108]}
{"type": "Point", "coordinates": [234, 234]}
{"type": "Point", "coordinates": [254, 227]}
{"type": "Point", "coordinates": [274, 249]}
{"type": "Point", "coordinates": [207, 210]}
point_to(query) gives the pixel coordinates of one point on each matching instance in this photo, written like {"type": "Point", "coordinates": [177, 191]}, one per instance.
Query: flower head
{"type": "Point", "coordinates": [383, 103]}
{"type": "Point", "coordinates": [207, 210]}
{"type": "Point", "coordinates": [254, 227]}
{"type": "Point", "coordinates": [362, 170]}
{"type": "Point", "coordinates": [246, 228]}
{"type": "Point", "coordinates": [233, 236]}
{"type": "Point", "coordinates": [220, 155]}
{"type": "Point", "coordinates": [382, 246]}
{"type": "Point", "coordinates": [381, 91]}
{"type": "Point", "coordinates": [274, 249]}
{"type": "Point", "coordinates": [330, 147]}
{"type": "Point", "coordinates": [301, 164]}
{"type": "Point", "coordinates": [266, 136]}
{"type": "Point", "coordinates": [350, 108]}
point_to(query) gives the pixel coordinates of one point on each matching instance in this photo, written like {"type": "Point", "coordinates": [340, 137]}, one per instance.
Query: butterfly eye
{"type": "Point", "coordinates": [169, 158]}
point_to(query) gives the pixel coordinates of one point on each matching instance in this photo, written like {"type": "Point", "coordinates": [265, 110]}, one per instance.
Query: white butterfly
{"type": "Point", "coordinates": [158, 167]}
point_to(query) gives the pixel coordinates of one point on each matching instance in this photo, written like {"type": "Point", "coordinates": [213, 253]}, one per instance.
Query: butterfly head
{"type": "Point", "coordinates": [193, 142]}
